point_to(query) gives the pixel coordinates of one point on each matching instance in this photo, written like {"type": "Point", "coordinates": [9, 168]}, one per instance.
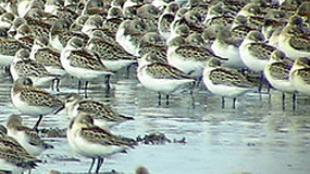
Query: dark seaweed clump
{"type": "Point", "coordinates": [158, 138]}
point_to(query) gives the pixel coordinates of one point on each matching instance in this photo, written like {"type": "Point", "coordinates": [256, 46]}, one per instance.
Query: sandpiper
{"type": "Point", "coordinates": [60, 35]}
{"type": "Point", "coordinates": [8, 48]}
{"type": "Point", "coordinates": [294, 39]}
{"type": "Point", "coordinates": [255, 52]}
{"type": "Point", "coordinates": [300, 75]}
{"type": "Point", "coordinates": [189, 58]}
{"type": "Point", "coordinates": [25, 136]}
{"type": "Point", "coordinates": [47, 57]}
{"type": "Point", "coordinates": [113, 56]}
{"type": "Point", "coordinates": [13, 157]}
{"type": "Point", "coordinates": [277, 73]}
{"type": "Point", "coordinates": [93, 22]}
{"type": "Point", "coordinates": [34, 101]}
{"type": "Point", "coordinates": [164, 22]}
{"type": "Point", "coordinates": [129, 34]}
{"type": "Point", "coordinates": [93, 142]}
{"type": "Point", "coordinates": [162, 78]}
{"type": "Point", "coordinates": [102, 114]}
{"type": "Point", "coordinates": [23, 66]}
{"type": "Point", "coordinates": [82, 64]}
{"type": "Point", "coordinates": [227, 46]}
{"type": "Point", "coordinates": [225, 82]}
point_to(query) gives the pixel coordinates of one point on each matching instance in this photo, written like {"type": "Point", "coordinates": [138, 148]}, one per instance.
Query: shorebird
{"type": "Point", "coordinates": [49, 58]}
{"type": "Point", "coordinates": [113, 56]}
{"type": "Point", "coordinates": [82, 64]}
{"type": "Point", "coordinates": [34, 101]}
{"type": "Point", "coordinates": [25, 136]}
{"type": "Point", "coordinates": [162, 78]}
{"type": "Point", "coordinates": [23, 66]}
{"type": "Point", "coordinates": [102, 114]}
{"type": "Point", "coordinates": [13, 157]}
{"type": "Point", "coordinates": [277, 73]}
{"type": "Point", "coordinates": [93, 142]}
{"type": "Point", "coordinates": [300, 75]}
{"type": "Point", "coordinates": [225, 82]}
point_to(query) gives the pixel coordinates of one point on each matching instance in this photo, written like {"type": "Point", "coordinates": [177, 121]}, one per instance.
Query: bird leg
{"type": "Point", "coordinates": [92, 165]}
{"type": "Point", "coordinates": [167, 99]}
{"type": "Point", "coordinates": [100, 162]}
{"type": "Point", "coordinates": [57, 84]}
{"type": "Point", "coordinates": [85, 90]}
{"type": "Point", "coordinates": [294, 101]}
{"type": "Point", "coordinates": [234, 103]}
{"type": "Point", "coordinates": [37, 124]}
{"type": "Point", "coordinates": [283, 101]}
{"type": "Point", "coordinates": [223, 102]}
{"type": "Point", "coordinates": [79, 86]}
{"type": "Point", "coordinates": [107, 82]}
{"type": "Point", "coordinates": [260, 82]}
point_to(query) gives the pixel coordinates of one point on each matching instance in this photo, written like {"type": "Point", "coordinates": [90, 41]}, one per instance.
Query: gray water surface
{"type": "Point", "coordinates": [258, 137]}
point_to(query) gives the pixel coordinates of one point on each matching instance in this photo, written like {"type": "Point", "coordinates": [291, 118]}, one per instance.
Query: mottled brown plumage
{"type": "Point", "coordinates": [229, 77]}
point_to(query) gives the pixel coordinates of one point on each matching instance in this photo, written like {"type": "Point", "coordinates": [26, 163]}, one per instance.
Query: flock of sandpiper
{"type": "Point", "coordinates": [176, 44]}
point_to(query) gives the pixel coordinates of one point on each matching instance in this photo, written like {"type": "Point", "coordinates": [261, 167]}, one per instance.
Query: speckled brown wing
{"type": "Point", "coordinates": [107, 51]}
{"type": "Point", "coordinates": [305, 75]}
{"type": "Point", "coordinates": [241, 31]}
{"type": "Point", "coordinates": [9, 47]}
{"type": "Point", "coordinates": [112, 24]}
{"type": "Point", "coordinates": [30, 68]}
{"type": "Point", "coordinates": [18, 159]}
{"type": "Point", "coordinates": [261, 51]}
{"type": "Point", "coordinates": [229, 77]}
{"type": "Point", "coordinates": [108, 36]}
{"type": "Point", "coordinates": [165, 71]}
{"type": "Point", "coordinates": [11, 143]}
{"type": "Point", "coordinates": [48, 57]}
{"type": "Point", "coordinates": [101, 136]}
{"type": "Point", "coordinates": [195, 53]}
{"type": "Point", "coordinates": [220, 20]}
{"type": "Point", "coordinates": [97, 109]}
{"type": "Point", "coordinates": [280, 70]}
{"type": "Point", "coordinates": [159, 52]}
{"type": "Point", "coordinates": [300, 43]}
{"type": "Point", "coordinates": [66, 36]}
{"type": "Point", "coordinates": [38, 97]}
{"type": "Point", "coordinates": [83, 59]}
{"type": "Point", "coordinates": [27, 41]}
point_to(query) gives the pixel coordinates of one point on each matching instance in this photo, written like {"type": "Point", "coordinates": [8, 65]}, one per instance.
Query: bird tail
{"type": "Point", "coordinates": [123, 117]}
{"type": "Point", "coordinates": [60, 109]}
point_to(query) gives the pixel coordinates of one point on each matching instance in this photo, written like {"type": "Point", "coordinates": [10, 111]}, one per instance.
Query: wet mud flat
{"type": "Point", "coordinates": [258, 137]}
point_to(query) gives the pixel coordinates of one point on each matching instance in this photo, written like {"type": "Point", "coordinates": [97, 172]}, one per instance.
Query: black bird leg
{"type": "Point", "coordinates": [100, 162]}
{"type": "Point", "coordinates": [92, 165]}
{"type": "Point", "coordinates": [37, 123]}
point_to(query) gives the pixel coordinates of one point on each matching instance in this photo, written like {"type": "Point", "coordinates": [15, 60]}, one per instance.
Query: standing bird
{"type": "Point", "coordinates": [25, 136]}
{"type": "Point", "coordinates": [82, 64]}
{"type": "Point", "coordinates": [277, 73]}
{"type": "Point", "coordinates": [93, 142]}
{"type": "Point", "coordinates": [162, 78]}
{"type": "Point", "coordinates": [300, 75]}
{"type": "Point", "coordinates": [23, 66]}
{"type": "Point", "coordinates": [34, 101]}
{"type": "Point", "coordinates": [13, 157]}
{"type": "Point", "coordinates": [225, 82]}
{"type": "Point", "coordinates": [100, 112]}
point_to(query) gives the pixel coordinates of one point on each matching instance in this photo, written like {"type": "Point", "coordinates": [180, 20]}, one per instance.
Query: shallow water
{"type": "Point", "coordinates": [257, 137]}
